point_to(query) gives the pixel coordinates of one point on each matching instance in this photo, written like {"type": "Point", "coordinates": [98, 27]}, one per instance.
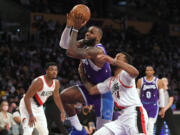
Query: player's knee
{"type": "Point", "coordinates": [64, 96]}
{"type": "Point", "coordinates": [69, 95]}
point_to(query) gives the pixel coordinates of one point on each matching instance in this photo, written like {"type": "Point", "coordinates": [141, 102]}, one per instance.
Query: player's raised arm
{"type": "Point", "coordinates": [58, 101]}
{"type": "Point", "coordinates": [73, 50]}
{"type": "Point", "coordinates": [64, 41]}
{"type": "Point", "coordinates": [65, 37]}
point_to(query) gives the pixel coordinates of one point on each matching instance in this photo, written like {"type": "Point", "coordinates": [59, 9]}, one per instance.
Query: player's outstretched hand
{"type": "Point", "coordinates": [79, 21]}
{"type": "Point", "coordinates": [32, 121]}
{"type": "Point", "coordinates": [69, 20]}
{"type": "Point", "coordinates": [63, 116]}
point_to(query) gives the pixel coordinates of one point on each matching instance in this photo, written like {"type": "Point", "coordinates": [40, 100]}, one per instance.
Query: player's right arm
{"type": "Point", "coordinates": [66, 33]}
{"type": "Point", "coordinates": [138, 86]}
{"type": "Point", "coordinates": [73, 50]}
{"type": "Point", "coordinates": [65, 37]}
{"type": "Point", "coordinates": [32, 90]}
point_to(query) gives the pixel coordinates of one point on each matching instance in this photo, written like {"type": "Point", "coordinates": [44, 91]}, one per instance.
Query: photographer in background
{"type": "Point", "coordinates": [169, 98]}
{"type": "Point", "coordinates": [87, 118]}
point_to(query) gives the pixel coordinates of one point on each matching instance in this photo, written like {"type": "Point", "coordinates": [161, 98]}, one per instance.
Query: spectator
{"type": "Point", "coordinates": [17, 127]}
{"type": "Point", "coordinates": [12, 107]}
{"type": "Point", "coordinates": [87, 119]}
{"type": "Point", "coordinates": [6, 119]}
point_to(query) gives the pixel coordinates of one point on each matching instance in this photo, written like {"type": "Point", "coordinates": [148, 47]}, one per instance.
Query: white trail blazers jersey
{"type": "Point", "coordinates": [123, 90]}
{"type": "Point", "coordinates": [42, 95]}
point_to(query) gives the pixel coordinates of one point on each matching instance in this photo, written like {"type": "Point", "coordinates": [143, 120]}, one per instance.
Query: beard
{"type": "Point", "coordinates": [90, 42]}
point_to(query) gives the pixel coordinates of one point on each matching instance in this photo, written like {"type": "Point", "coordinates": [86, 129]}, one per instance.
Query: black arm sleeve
{"type": "Point", "coordinates": [171, 93]}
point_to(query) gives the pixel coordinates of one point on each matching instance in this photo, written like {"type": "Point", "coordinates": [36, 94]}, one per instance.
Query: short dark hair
{"type": "Point", "coordinates": [99, 29]}
{"type": "Point", "coordinates": [128, 57]}
{"type": "Point", "coordinates": [50, 64]}
{"type": "Point", "coordinates": [150, 66]}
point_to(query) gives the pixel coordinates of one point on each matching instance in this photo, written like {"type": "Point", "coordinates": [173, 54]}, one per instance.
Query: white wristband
{"type": "Point", "coordinates": [75, 30]}
{"type": "Point", "coordinates": [161, 98]}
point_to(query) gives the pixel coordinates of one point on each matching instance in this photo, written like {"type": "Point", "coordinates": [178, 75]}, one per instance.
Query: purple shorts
{"type": "Point", "coordinates": [151, 109]}
{"type": "Point", "coordinates": [94, 100]}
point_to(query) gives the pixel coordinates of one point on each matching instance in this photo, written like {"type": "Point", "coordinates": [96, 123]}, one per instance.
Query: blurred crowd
{"type": "Point", "coordinates": [164, 10]}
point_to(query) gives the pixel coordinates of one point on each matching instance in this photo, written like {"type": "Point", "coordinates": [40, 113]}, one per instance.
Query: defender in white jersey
{"type": "Point", "coordinates": [31, 105]}
{"type": "Point", "coordinates": [133, 119]}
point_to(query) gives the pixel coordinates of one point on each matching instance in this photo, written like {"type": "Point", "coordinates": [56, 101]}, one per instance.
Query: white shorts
{"type": "Point", "coordinates": [132, 121]}
{"type": "Point", "coordinates": [38, 112]}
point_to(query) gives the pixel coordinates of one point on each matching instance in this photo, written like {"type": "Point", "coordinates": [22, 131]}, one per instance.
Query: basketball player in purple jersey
{"type": "Point", "coordinates": [151, 91]}
{"type": "Point", "coordinates": [95, 70]}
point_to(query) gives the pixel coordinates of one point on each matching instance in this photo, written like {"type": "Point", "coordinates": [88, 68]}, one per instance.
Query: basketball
{"type": "Point", "coordinates": [82, 9]}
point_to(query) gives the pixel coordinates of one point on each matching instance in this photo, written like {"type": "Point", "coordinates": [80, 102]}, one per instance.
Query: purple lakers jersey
{"type": "Point", "coordinates": [93, 72]}
{"type": "Point", "coordinates": [149, 91]}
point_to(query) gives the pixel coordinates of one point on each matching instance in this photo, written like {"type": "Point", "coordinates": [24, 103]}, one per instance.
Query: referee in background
{"type": "Point", "coordinates": [169, 98]}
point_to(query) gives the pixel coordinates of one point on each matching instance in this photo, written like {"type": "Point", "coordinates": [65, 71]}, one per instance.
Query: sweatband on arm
{"type": "Point", "coordinates": [161, 98]}
{"type": "Point", "coordinates": [65, 38]}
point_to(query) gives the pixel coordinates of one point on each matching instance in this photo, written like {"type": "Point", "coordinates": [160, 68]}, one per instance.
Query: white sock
{"type": "Point", "coordinates": [75, 122]}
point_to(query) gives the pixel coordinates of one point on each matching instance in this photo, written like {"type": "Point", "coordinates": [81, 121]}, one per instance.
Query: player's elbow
{"type": "Point", "coordinates": [69, 52]}
{"type": "Point", "coordinates": [26, 98]}
{"type": "Point", "coordinates": [61, 44]}
{"type": "Point", "coordinates": [135, 73]}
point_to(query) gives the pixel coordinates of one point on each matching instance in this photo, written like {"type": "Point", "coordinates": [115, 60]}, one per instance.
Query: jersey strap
{"type": "Point", "coordinates": [37, 99]}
